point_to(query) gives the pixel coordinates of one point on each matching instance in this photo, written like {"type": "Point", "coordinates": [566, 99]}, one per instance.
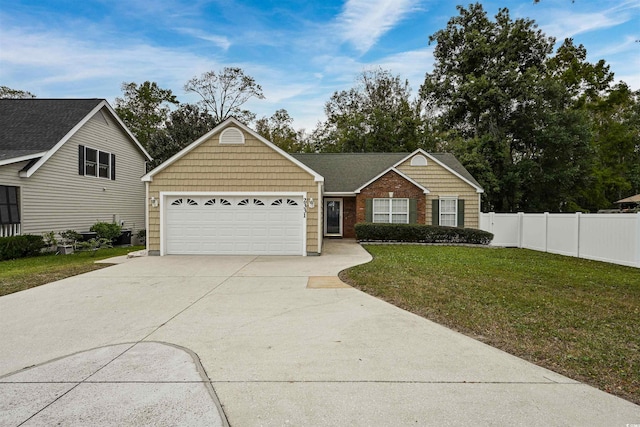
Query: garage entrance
{"type": "Point", "coordinates": [234, 225]}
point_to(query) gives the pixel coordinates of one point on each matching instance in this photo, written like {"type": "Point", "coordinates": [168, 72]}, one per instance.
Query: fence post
{"type": "Point", "coordinates": [546, 231]}
{"type": "Point", "coordinates": [578, 231]}
{"type": "Point", "coordinates": [520, 228]}
{"type": "Point", "coordinates": [638, 239]}
{"type": "Point", "coordinates": [492, 218]}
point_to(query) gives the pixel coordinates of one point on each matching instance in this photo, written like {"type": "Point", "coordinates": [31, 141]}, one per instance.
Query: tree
{"type": "Point", "coordinates": [584, 81]}
{"type": "Point", "coordinates": [616, 143]}
{"type": "Point", "coordinates": [509, 108]}
{"type": "Point", "coordinates": [375, 115]}
{"type": "Point", "coordinates": [144, 108]}
{"type": "Point", "coordinates": [8, 93]}
{"type": "Point", "coordinates": [279, 130]}
{"type": "Point", "coordinates": [183, 126]}
{"type": "Point", "coordinates": [224, 93]}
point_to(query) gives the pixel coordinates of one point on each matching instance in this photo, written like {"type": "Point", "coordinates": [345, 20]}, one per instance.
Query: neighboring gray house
{"type": "Point", "coordinates": [66, 164]}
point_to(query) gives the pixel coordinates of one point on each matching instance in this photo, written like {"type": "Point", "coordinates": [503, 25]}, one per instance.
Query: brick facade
{"type": "Point", "coordinates": [401, 188]}
{"type": "Point", "coordinates": [349, 217]}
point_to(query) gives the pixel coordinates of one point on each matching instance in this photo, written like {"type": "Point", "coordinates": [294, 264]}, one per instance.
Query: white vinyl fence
{"type": "Point", "coordinates": [611, 238]}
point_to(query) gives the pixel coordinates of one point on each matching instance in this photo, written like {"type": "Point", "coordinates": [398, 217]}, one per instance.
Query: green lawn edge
{"type": "Point", "coordinates": [577, 317]}
{"type": "Point", "coordinates": [25, 273]}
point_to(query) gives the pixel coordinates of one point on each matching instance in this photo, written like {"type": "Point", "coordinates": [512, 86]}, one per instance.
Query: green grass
{"type": "Point", "coordinates": [20, 274]}
{"type": "Point", "coordinates": [577, 317]}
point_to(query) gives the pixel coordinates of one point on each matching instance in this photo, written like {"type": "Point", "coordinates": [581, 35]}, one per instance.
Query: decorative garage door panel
{"type": "Point", "coordinates": [238, 225]}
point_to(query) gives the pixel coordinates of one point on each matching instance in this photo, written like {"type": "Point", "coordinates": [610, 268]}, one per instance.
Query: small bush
{"type": "Point", "coordinates": [420, 233]}
{"type": "Point", "coordinates": [94, 244]}
{"type": "Point", "coordinates": [70, 237]}
{"type": "Point", "coordinates": [106, 230]}
{"type": "Point", "coordinates": [20, 246]}
{"type": "Point", "coordinates": [50, 239]}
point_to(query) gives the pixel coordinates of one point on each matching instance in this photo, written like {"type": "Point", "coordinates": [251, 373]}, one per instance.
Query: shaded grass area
{"type": "Point", "coordinates": [577, 317]}
{"type": "Point", "coordinates": [20, 274]}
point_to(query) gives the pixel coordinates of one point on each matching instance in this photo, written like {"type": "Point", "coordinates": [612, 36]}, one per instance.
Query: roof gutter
{"type": "Point", "coordinates": [21, 158]}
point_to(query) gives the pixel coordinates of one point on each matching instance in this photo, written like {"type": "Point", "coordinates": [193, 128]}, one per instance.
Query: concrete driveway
{"type": "Point", "coordinates": [159, 340]}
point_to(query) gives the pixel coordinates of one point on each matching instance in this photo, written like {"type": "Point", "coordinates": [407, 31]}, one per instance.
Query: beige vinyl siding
{"type": "Point", "coordinates": [9, 174]}
{"type": "Point", "coordinates": [249, 167]}
{"type": "Point", "coordinates": [57, 198]}
{"type": "Point", "coordinates": [440, 182]}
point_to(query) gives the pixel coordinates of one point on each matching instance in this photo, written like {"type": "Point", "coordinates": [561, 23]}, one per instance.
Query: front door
{"type": "Point", "coordinates": [333, 217]}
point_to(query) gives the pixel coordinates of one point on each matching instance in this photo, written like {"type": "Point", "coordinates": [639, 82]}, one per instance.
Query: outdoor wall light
{"type": "Point", "coordinates": [312, 203]}
{"type": "Point", "coordinates": [154, 202]}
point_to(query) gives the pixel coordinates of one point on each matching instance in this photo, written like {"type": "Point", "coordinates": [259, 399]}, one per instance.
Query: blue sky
{"type": "Point", "coordinates": [300, 52]}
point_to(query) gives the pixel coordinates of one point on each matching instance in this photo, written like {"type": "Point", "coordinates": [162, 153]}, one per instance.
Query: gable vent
{"type": "Point", "coordinates": [419, 160]}
{"type": "Point", "coordinates": [232, 135]}
{"type": "Point", "coordinates": [99, 117]}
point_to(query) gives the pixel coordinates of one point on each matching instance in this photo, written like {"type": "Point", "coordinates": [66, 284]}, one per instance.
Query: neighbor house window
{"type": "Point", "coordinates": [9, 208]}
{"type": "Point", "coordinates": [391, 210]}
{"type": "Point", "coordinates": [103, 164]}
{"type": "Point", "coordinates": [96, 163]}
{"type": "Point", "coordinates": [449, 212]}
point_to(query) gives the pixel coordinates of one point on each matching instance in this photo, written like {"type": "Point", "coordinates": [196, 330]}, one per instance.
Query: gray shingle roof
{"type": "Point", "coordinates": [30, 126]}
{"type": "Point", "coordinates": [346, 172]}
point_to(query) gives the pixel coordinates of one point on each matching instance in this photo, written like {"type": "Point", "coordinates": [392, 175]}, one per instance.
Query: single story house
{"type": "Point", "coordinates": [233, 192]}
{"type": "Point", "coordinates": [66, 164]}
{"type": "Point", "coordinates": [629, 204]}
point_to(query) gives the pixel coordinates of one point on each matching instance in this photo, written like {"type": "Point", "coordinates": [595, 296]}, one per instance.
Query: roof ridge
{"type": "Point", "coordinates": [50, 99]}
{"type": "Point", "coordinates": [374, 153]}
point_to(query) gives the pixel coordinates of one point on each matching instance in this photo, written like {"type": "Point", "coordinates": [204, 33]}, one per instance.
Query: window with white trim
{"type": "Point", "coordinates": [448, 211]}
{"type": "Point", "coordinates": [391, 211]}
{"type": "Point", "coordinates": [97, 163]}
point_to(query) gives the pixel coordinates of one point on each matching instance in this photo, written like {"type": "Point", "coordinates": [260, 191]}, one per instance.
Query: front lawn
{"type": "Point", "coordinates": [17, 275]}
{"type": "Point", "coordinates": [577, 317]}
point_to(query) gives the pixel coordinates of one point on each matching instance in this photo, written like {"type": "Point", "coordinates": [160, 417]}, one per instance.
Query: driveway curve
{"type": "Point", "coordinates": [280, 352]}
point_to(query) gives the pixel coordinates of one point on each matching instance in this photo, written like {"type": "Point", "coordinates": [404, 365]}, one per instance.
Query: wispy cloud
{"type": "Point", "coordinates": [220, 41]}
{"type": "Point", "coordinates": [627, 44]}
{"type": "Point", "coordinates": [411, 65]}
{"type": "Point", "coordinates": [48, 61]}
{"type": "Point", "coordinates": [568, 22]}
{"type": "Point", "coordinates": [363, 22]}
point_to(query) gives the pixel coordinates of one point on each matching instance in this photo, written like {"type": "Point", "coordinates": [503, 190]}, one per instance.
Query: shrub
{"type": "Point", "coordinates": [20, 246]}
{"type": "Point", "coordinates": [94, 244]}
{"type": "Point", "coordinates": [420, 233]}
{"type": "Point", "coordinates": [70, 237]}
{"type": "Point", "coordinates": [50, 240]}
{"type": "Point", "coordinates": [106, 230]}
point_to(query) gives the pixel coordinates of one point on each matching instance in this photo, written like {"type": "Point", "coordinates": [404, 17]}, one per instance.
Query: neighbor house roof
{"type": "Point", "coordinates": [347, 172]}
{"type": "Point", "coordinates": [33, 129]}
{"type": "Point", "coordinates": [33, 126]}
{"type": "Point", "coordinates": [632, 199]}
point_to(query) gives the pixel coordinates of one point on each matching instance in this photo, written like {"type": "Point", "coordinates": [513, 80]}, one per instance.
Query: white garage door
{"type": "Point", "coordinates": [234, 225]}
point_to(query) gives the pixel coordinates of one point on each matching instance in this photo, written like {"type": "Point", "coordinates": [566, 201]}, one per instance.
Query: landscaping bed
{"type": "Point", "coordinates": [577, 317]}
{"type": "Point", "coordinates": [420, 233]}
